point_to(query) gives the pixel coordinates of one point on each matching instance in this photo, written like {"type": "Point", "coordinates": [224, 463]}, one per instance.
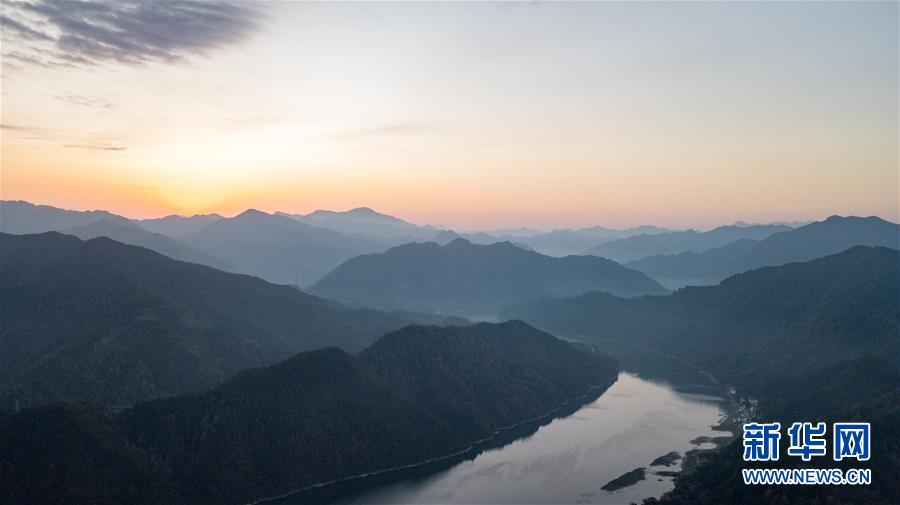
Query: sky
{"type": "Point", "coordinates": [474, 115]}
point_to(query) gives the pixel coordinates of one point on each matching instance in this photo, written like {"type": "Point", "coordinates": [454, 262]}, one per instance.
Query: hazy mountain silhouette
{"type": "Point", "coordinates": [568, 242]}
{"type": "Point", "coordinates": [814, 240]}
{"type": "Point", "coordinates": [178, 226]}
{"type": "Point", "coordinates": [522, 231]}
{"type": "Point", "coordinates": [115, 323]}
{"type": "Point", "coordinates": [559, 243]}
{"type": "Point", "coordinates": [128, 232]}
{"type": "Point", "coordinates": [444, 237]}
{"type": "Point", "coordinates": [784, 320]}
{"type": "Point", "coordinates": [462, 276]}
{"type": "Point", "coordinates": [641, 246]}
{"type": "Point", "coordinates": [417, 394]}
{"type": "Point", "coordinates": [367, 222]}
{"type": "Point", "coordinates": [21, 217]}
{"type": "Point", "coordinates": [278, 248]}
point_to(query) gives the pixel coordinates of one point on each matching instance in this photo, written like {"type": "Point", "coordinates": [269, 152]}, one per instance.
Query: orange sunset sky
{"type": "Point", "coordinates": [471, 115]}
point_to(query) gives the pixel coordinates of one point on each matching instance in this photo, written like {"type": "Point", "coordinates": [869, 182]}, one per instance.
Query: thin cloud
{"type": "Point", "coordinates": [130, 32]}
{"type": "Point", "coordinates": [96, 146]}
{"type": "Point", "coordinates": [84, 101]}
{"type": "Point", "coordinates": [38, 133]}
{"type": "Point", "coordinates": [23, 128]}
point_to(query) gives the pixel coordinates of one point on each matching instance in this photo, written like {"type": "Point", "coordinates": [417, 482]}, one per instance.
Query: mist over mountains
{"type": "Point", "coordinates": [641, 246]}
{"type": "Point", "coordinates": [284, 248]}
{"type": "Point", "coordinates": [130, 233]}
{"type": "Point", "coordinates": [278, 248]}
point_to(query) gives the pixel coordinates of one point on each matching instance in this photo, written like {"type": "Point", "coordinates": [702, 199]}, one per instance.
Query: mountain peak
{"type": "Point", "coordinates": [459, 242]}
{"type": "Point", "coordinates": [252, 213]}
{"type": "Point", "coordinates": [839, 218]}
{"type": "Point", "coordinates": [363, 210]}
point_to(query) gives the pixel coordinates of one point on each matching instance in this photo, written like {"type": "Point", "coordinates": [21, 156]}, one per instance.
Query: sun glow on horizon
{"type": "Point", "coordinates": [478, 116]}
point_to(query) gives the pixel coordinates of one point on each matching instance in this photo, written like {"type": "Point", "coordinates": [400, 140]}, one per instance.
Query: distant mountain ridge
{"type": "Point", "coordinates": [641, 246]}
{"type": "Point", "coordinates": [278, 248]}
{"type": "Point", "coordinates": [178, 226]}
{"type": "Point", "coordinates": [415, 395]}
{"type": "Point", "coordinates": [114, 323]}
{"type": "Point", "coordinates": [462, 276]}
{"type": "Point", "coordinates": [366, 222]}
{"type": "Point", "coordinates": [132, 234]}
{"type": "Point", "coordinates": [814, 240]}
{"type": "Point", "coordinates": [559, 242]}
{"type": "Point", "coordinates": [20, 217]}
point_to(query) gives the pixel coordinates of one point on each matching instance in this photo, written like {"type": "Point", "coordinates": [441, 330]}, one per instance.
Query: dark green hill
{"type": "Point", "coordinates": [794, 317]}
{"type": "Point", "coordinates": [75, 453]}
{"type": "Point", "coordinates": [483, 377]}
{"type": "Point", "coordinates": [316, 417]}
{"type": "Point", "coordinates": [462, 277]}
{"type": "Point", "coordinates": [112, 323]}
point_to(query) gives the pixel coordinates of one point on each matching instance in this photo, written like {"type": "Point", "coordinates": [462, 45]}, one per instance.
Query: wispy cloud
{"type": "Point", "coordinates": [38, 133]}
{"type": "Point", "coordinates": [131, 32]}
{"type": "Point", "coordinates": [84, 101]}
{"type": "Point", "coordinates": [23, 128]}
{"type": "Point", "coordinates": [96, 146]}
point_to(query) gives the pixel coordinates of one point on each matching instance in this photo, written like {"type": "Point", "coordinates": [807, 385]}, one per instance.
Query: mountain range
{"type": "Point", "coordinates": [641, 246]}
{"type": "Point", "coordinates": [559, 242]}
{"type": "Point", "coordinates": [112, 323]}
{"type": "Point", "coordinates": [283, 248]}
{"type": "Point", "coordinates": [813, 240]}
{"type": "Point", "coordinates": [178, 226]}
{"type": "Point", "coordinates": [366, 222]}
{"type": "Point", "coordinates": [461, 277]}
{"type": "Point", "coordinates": [130, 233]}
{"type": "Point", "coordinates": [21, 217]}
{"type": "Point", "coordinates": [278, 248]}
{"type": "Point", "coordinates": [785, 320]}
{"type": "Point", "coordinates": [128, 376]}
{"type": "Point", "coordinates": [415, 395]}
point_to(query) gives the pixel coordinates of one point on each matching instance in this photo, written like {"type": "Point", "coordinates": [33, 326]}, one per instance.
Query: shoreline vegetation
{"type": "Point", "coordinates": [501, 437]}
{"type": "Point", "coordinates": [628, 479]}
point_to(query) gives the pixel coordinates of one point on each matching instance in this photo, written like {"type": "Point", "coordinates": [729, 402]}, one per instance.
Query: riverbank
{"type": "Point", "coordinates": [341, 490]}
{"type": "Point", "coordinates": [730, 423]}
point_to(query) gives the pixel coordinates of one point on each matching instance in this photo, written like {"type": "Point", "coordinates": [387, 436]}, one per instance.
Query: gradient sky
{"type": "Point", "coordinates": [473, 115]}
